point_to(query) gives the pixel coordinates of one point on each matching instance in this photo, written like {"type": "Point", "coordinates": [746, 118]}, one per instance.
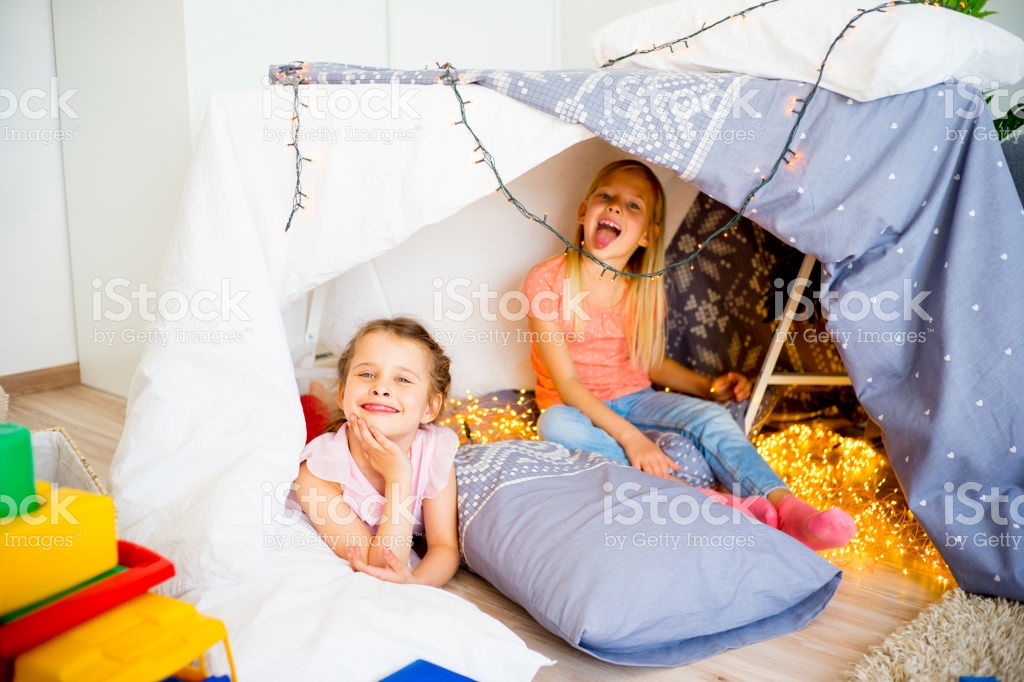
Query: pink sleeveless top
{"type": "Point", "coordinates": [600, 352]}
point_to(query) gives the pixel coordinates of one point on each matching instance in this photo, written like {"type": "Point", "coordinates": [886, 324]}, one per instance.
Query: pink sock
{"type": "Point", "coordinates": [818, 530]}
{"type": "Point", "coordinates": [755, 507]}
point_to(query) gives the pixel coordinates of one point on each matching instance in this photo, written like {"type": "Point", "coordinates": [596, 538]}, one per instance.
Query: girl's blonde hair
{"type": "Point", "coordinates": [645, 297]}
{"type": "Point", "coordinates": [438, 364]}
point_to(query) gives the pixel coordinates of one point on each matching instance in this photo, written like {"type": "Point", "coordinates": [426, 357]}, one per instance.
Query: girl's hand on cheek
{"type": "Point", "coordinates": [384, 456]}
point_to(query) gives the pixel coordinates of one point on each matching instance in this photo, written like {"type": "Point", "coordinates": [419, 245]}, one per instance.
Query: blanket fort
{"type": "Point", "coordinates": [908, 204]}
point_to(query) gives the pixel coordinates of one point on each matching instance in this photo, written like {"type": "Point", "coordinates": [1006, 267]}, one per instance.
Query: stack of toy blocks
{"type": "Point", "coordinates": [74, 605]}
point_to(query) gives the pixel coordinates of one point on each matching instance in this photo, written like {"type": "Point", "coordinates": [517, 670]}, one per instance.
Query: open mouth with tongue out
{"type": "Point", "coordinates": [606, 232]}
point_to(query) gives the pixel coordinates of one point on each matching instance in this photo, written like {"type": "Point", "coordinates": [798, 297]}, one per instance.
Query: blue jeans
{"type": "Point", "coordinates": [710, 427]}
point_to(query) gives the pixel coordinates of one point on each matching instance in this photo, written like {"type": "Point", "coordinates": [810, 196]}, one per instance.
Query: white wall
{"type": "Point", "coordinates": [38, 325]}
{"type": "Point", "coordinates": [229, 44]}
{"type": "Point", "coordinates": [472, 34]}
{"type": "Point", "coordinates": [579, 19]}
{"type": "Point", "coordinates": [124, 168]}
{"type": "Point", "coordinates": [1009, 15]}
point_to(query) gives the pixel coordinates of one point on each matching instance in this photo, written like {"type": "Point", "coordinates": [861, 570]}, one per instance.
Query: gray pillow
{"type": "Point", "coordinates": [693, 468]}
{"type": "Point", "coordinates": [630, 568]}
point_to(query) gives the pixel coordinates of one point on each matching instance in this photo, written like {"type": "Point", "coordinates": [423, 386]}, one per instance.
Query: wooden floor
{"type": "Point", "coordinates": [868, 606]}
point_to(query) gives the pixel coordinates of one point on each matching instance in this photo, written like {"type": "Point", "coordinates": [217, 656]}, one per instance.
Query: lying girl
{"type": "Point", "coordinates": [386, 473]}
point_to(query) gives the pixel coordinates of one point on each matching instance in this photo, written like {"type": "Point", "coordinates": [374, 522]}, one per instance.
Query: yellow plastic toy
{"type": "Point", "coordinates": [150, 637]}
{"type": "Point", "coordinates": [68, 539]}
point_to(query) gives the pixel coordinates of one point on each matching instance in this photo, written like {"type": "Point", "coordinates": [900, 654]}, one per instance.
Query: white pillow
{"type": "Point", "coordinates": [907, 48]}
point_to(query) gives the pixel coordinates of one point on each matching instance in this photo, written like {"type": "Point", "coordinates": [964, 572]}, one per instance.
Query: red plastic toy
{"type": "Point", "coordinates": [144, 570]}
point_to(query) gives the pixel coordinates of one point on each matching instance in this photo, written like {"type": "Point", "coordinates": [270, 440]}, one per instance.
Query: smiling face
{"type": "Point", "coordinates": [616, 216]}
{"type": "Point", "coordinates": [389, 385]}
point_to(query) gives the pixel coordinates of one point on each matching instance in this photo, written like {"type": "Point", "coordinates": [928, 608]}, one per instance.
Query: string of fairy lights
{"type": "Point", "coordinates": [670, 45]}
{"type": "Point", "coordinates": [293, 75]}
{"type": "Point", "coordinates": [828, 470]}
{"type": "Point", "coordinates": [818, 465]}
{"type": "Point", "coordinates": [788, 156]}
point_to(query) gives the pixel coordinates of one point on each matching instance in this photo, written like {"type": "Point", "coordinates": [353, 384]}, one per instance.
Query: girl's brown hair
{"type": "Point", "coordinates": [438, 365]}
{"type": "Point", "coordinates": [646, 296]}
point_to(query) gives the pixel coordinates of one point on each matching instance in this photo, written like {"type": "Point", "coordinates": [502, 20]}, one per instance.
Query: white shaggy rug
{"type": "Point", "coordinates": [964, 634]}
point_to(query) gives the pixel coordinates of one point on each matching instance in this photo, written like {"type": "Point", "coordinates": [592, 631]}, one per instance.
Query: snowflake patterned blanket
{"type": "Point", "coordinates": [909, 206]}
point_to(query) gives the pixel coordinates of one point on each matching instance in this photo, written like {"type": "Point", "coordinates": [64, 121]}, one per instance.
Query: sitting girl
{"type": "Point", "coordinates": [594, 371]}
{"type": "Point", "coordinates": [386, 473]}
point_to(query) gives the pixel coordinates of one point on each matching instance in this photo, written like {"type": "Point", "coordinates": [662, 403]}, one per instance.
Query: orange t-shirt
{"type": "Point", "coordinates": [600, 351]}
